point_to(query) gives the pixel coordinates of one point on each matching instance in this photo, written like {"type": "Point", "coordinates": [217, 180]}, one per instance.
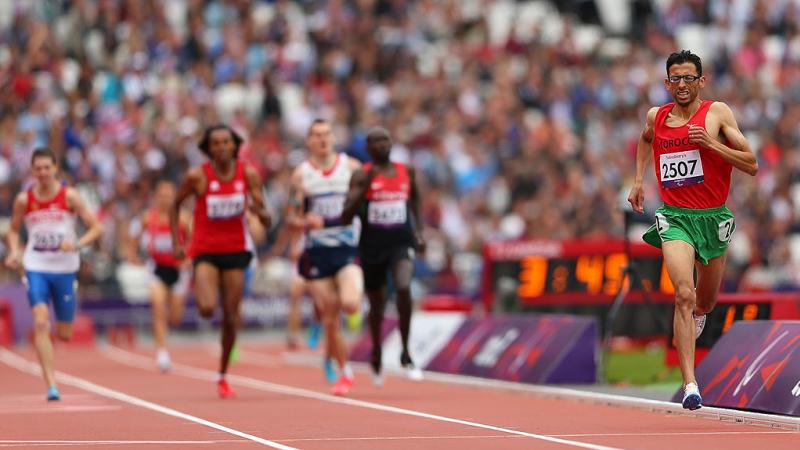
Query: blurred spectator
{"type": "Point", "coordinates": [521, 117]}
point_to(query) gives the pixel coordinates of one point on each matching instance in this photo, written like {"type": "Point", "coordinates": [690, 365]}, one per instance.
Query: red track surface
{"type": "Point", "coordinates": [289, 405]}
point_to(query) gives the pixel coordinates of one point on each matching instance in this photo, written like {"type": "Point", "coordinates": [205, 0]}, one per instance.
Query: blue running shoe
{"type": "Point", "coordinates": [53, 394]}
{"type": "Point", "coordinates": [330, 372]}
{"type": "Point", "coordinates": [313, 335]}
{"type": "Point", "coordinates": [691, 397]}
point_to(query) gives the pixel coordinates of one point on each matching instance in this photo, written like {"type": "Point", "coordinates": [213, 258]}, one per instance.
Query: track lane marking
{"type": "Point", "coordinates": [18, 362]}
{"type": "Point", "coordinates": [142, 362]}
{"type": "Point", "coordinates": [724, 415]}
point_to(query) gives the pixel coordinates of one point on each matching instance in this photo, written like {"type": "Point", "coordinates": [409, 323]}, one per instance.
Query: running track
{"type": "Point", "coordinates": [114, 398]}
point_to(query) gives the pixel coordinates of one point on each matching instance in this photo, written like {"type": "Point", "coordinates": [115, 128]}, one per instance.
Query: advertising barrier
{"type": "Point", "coordinates": [529, 348]}
{"type": "Point", "coordinates": [754, 366]}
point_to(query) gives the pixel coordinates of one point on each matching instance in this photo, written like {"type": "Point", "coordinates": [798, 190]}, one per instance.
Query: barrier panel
{"type": "Point", "coordinates": [6, 324]}
{"type": "Point", "coordinates": [754, 366]}
{"type": "Point", "coordinates": [526, 348]}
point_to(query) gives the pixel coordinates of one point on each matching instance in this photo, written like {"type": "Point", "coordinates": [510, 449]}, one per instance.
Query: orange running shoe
{"type": "Point", "coordinates": [342, 387]}
{"type": "Point", "coordinates": [224, 389]}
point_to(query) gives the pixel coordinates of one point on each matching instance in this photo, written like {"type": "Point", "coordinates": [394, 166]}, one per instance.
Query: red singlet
{"type": "Point", "coordinates": [688, 176]}
{"type": "Point", "coordinates": [159, 239]}
{"type": "Point", "coordinates": [386, 217]}
{"type": "Point", "coordinates": [219, 215]}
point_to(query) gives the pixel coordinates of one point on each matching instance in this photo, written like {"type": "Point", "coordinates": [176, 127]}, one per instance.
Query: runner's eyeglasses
{"type": "Point", "coordinates": [675, 79]}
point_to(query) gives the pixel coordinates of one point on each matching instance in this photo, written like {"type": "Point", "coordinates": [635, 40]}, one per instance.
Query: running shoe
{"type": "Point", "coordinates": [342, 387]}
{"type": "Point", "coordinates": [377, 379]}
{"type": "Point", "coordinates": [691, 397]}
{"type": "Point", "coordinates": [699, 324]}
{"type": "Point", "coordinates": [330, 371]}
{"type": "Point", "coordinates": [224, 389]}
{"type": "Point", "coordinates": [313, 335]}
{"type": "Point", "coordinates": [413, 372]}
{"type": "Point", "coordinates": [354, 322]}
{"type": "Point", "coordinates": [163, 361]}
{"type": "Point", "coordinates": [234, 356]}
{"type": "Point", "coordinates": [53, 394]}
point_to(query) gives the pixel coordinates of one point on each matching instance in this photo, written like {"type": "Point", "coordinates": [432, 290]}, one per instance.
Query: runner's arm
{"type": "Point", "coordinates": [14, 244]}
{"type": "Point", "coordinates": [355, 194]}
{"type": "Point", "coordinates": [257, 204]}
{"type": "Point", "coordinates": [644, 155]}
{"type": "Point", "coordinates": [739, 153]}
{"type": "Point", "coordinates": [94, 228]}
{"type": "Point", "coordinates": [187, 188]}
{"type": "Point", "coordinates": [415, 204]}
{"type": "Point", "coordinates": [133, 236]}
{"type": "Point", "coordinates": [295, 214]}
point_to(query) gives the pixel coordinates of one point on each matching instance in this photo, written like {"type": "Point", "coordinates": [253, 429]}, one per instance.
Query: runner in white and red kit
{"type": "Point", "coordinates": [51, 259]}
{"type": "Point", "coordinates": [224, 187]}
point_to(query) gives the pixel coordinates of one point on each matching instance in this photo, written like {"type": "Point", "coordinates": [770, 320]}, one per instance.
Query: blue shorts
{"type": "Point", "coordinates": [60, 287]}
{"type": "Point", "coordinates": [324, 262]}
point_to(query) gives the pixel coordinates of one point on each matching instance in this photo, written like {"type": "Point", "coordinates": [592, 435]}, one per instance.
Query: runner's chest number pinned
{"type": "Point", "coordinates": [681, 169]}
{"type": "Point", "coordinates": [225, 206]}
{"type": "Point", "coordinates": [387, 213]}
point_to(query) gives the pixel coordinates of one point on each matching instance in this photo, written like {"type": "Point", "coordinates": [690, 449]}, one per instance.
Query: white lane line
{"type": "Point", "coordinates": [57, 409]}
{"type": "Point", "coordinates": [689, 433]}
{"type": "Point", "coordinates": [22, 364]}
{"type": "Point", "coordinates": [49, 443]}
{"type": "Point", "coordinates": [140, 361]}
{"type": "Point", "coordinates": [506, 436]}
{"type": "Point", "coordinates": [706, 412]}
{"type": "Point", "coordinates": [403, 438]}
{"type": "Point", "coordinates": [253, 359]}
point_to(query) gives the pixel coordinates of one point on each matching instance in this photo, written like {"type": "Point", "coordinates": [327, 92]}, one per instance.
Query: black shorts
{"type": "Point", "coordinates": [376, 264]}
{"type": "Point", "coordinates": [167, 274]}
{"type": "Point", "coordinates": [324, 262]}
{"type": "Point", "coordinates": [225, 261]}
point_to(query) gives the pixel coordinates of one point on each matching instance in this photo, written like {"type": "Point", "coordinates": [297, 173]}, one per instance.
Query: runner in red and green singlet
{"type": "Point", "coordinates": [694, 144]}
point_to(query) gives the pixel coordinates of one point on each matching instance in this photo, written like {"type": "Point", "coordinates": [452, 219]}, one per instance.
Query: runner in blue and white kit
{"type": "Point", "coordinates": [51, 261]}
{"type": "Point", "coordinates": [318, 189]}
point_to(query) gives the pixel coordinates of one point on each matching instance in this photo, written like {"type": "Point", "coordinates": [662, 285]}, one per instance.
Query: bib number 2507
{"type": "Point", "coordinates": [681, 169]}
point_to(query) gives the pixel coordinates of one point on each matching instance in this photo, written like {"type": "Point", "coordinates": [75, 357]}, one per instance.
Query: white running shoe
{"type": "Point", "coordinates": [691, 397]}
{"type": "Point", "coordinates": [699, 324]}
{"type": "Point", "coordinates": [377, 379]}
{"type": "Point", "coordinates": [413, 372]}
{"type": "Point", "coordinates": [163, 362]}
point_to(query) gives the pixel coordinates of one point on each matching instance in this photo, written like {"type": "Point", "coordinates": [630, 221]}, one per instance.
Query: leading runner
{"type": "Point", "coordinates": [695, 145]}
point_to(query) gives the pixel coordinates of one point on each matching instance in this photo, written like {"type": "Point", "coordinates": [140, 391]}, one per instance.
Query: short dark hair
{"type": "Point", "coordinates": [684, 56]}
{"type": "Point", "coordinates": [44, 152]}
{"type": "Point", "coordinates": [378, 132]}
{"type": "Point", "coordinates": [316, 122]}
{"type": "Point", "coordinates": [205, 141]}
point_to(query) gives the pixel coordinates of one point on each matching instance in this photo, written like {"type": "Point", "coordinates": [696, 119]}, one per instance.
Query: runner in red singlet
{"type": "Point", "coordinates": [223, 187]}
{"type": "Point", "coordinates": [695, 145]}
{"type": "Point", "coordinates": [170, 280]}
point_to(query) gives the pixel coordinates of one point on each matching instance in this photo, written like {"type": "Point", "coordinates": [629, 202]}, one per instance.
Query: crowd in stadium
{"type": "Point", "coordinates": [521, 122]}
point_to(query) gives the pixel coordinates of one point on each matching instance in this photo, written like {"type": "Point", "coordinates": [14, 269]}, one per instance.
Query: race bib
{"type": "Point", "coordinates": [47, 241]}
{"type": "Point", "coordinates": [329, 207]}
{"type": "Point", "coordinates": [387, 213]}
{"type": "Point", "coordinates": [681, 169]}
{"type": "Point", "coordinates": [220, 207]}
{"type": "Point", "coordinates": [162, 243]}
